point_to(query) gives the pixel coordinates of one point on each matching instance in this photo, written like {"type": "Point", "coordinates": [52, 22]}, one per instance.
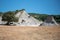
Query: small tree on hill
{"type": "Point", "coordinates": [9, 17]}
{"type": "Point", "coordinates": [1, 13]}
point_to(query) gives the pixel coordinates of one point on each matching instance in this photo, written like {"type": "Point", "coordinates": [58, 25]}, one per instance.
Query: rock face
{"type": "Point", "coordinates": [49, 21]}
{"type": "Point", "coordinates": [26, 20]}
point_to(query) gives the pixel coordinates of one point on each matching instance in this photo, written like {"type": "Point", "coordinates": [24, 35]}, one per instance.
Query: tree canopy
{"type": "Point", "coordinates": [9, 17]}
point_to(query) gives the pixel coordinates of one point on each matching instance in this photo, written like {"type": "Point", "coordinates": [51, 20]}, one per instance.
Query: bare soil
{"type": "Point", "coordinates": [29, 33]}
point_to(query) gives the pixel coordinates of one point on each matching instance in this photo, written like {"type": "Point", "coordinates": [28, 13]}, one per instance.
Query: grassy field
{"type": "Point", "coordinates": [29, 33]}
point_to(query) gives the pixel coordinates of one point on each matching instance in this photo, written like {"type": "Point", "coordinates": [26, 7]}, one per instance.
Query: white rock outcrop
{"type": "Point", "coordinates": [49, 21]}
{"type": "Point", "coordinates": [26, 20]}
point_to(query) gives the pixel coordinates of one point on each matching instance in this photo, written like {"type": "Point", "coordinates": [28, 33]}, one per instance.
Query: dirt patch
{"type": "Point", "coordinates": [29, 33]}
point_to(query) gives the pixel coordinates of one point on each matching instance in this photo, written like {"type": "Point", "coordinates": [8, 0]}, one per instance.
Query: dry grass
{"type": "Point", "coordinates": [29, 33]}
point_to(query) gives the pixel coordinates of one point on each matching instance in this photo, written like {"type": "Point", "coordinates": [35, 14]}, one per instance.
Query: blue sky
{"type": "Point", "coordinates": [34, 6]}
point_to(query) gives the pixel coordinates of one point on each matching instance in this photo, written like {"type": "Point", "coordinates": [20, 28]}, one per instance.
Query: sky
{"type": "Point", "coordinates": [51, 7]}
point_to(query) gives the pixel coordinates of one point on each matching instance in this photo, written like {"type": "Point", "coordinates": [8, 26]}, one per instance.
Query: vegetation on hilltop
{"type": "Point", "coordinates": [39, 16]}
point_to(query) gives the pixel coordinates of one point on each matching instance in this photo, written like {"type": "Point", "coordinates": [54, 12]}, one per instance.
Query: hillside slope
{"type": "Point", "coordinates": [44, 16]}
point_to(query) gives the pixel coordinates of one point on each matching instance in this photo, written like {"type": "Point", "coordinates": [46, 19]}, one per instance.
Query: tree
{"type": "Point", "coordinates": [9, 17]}
{"type": "Point", "coordinates": [1, 13]}
{"type": "Point", "coordinates": [16, 11]}
{"type": "Point", "coordinates": [23, 9]}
